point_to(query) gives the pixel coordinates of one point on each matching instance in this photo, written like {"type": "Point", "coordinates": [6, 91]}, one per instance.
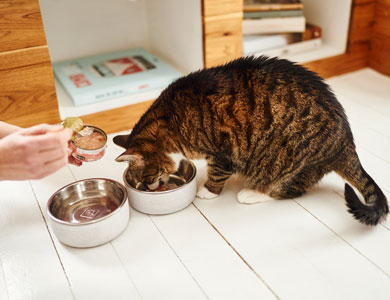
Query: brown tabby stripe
{"type": "Point", "coordinates": [268, 119]}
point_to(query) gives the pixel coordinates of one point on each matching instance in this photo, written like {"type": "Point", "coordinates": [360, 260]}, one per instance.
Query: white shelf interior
{"type": "Point", "coordinates": [171, 29]}
{"type": "Point", "coordinates": [333, 17]}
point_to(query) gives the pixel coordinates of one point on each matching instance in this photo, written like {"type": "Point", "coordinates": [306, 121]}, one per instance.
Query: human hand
{"type": "Point", "coordinates": [34, 152]}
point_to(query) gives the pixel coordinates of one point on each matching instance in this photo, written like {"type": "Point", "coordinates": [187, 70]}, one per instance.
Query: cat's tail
{"type": "Point", "coordinates": [376, 208]}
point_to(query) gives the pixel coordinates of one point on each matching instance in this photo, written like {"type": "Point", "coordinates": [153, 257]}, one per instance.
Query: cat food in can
{"type": "Point", "coordinates": [89, 144]}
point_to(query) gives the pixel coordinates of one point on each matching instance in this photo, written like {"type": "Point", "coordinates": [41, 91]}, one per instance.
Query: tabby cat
{"type": "Point", "coordinates": [269, 120]}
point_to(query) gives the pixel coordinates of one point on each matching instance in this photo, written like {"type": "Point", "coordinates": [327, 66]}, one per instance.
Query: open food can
{"type": "Point", "coordinates": [89, 144]}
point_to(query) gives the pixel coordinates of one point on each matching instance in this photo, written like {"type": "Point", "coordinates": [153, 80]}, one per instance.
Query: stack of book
{"type": "Point", "coordinates": [277, 27]}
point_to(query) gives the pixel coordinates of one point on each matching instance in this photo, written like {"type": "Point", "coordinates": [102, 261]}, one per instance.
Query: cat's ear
{"type": "Point", "coordinates": [133, 159]}
{"type": "Point", "coordinates": [121, 140]}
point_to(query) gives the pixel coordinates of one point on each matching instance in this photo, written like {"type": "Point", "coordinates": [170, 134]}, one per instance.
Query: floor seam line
{"type": "Point", "coordinates": [128, 275]}
{"type": "Point", "coordinates": [344, 240]}
{"type": "Point", "coordinates": [52, 241]}
{"type": "Point", "coordinates": [181, 261]}
{"type": "Point", "coordinates": [237, 253]}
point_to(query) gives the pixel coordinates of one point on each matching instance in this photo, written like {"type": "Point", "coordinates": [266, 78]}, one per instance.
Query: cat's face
{"type": "Point", "coordinates": [152, 169]}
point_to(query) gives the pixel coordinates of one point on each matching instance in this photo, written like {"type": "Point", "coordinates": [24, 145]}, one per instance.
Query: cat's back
{"type": "Point", "coordinates": [259, 74]}
{"type": "Point", "coordinates": [257, 89]}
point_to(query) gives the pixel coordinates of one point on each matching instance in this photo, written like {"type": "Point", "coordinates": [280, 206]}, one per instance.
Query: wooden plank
{"type": "Point", "coordinates": [20, 25]}
{"type": "Point", "coordinates": [27, 91]}
{"type": "Point", "coordinates": [357, 2]}
{"type": "Point", "coordinates": [362, 20]}
{"type": "Point", "coordinates": [220, 272]}
{"type": "Point", "coordinates": [118, 119]}
{"type": "Point", "coordinates": [286, 246]}
{"type": "Point", "coordinates": [156, 270]}
{"type": "Point", "coordinates": [94, 273]}
{"type": "Point", "coordinates": [354, 89]}
{"type": "Point", "coordinates": [372, 243]}
{"type": "Point", "coordinates": [222, 39]}
{"type": "Point", "coordinates": [221, 7]}
{"type": "Point", "coordinates": [380, 41]}
{"type": "Point", "coordinates": [3, 284]}
{"type": "Point", "coordinates": [29, 264]}
{"type": "Point", "coordinates": [355, 59]}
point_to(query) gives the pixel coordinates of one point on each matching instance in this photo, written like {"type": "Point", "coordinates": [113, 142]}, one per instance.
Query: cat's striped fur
{"type": "Point", "coordinates": [269, 120]}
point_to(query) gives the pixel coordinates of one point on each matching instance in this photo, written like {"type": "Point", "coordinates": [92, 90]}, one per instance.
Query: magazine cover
{"type": "Point", "coordinates": [111, 75]}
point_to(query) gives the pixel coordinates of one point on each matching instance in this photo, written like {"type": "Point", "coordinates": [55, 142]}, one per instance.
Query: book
{"type": "Point", "coordinates": [253, 44]}
{"type": "Point", "coordinates": [272, 14]}
{"type": "Point", "coordinates": [256, 43]}
{"type": "Point", "coordinates": [311, 32]}
{"type": "Point", "coordinates": [273, 25]}
{"type": "Point", "coordinates": [293, 48]}
{"type": "Point", "coordinates": [267, 5]}
{"type": "Point", "coordinates": [111, 75]}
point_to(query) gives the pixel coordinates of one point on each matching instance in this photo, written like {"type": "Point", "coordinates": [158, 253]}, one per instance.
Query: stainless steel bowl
{"type": "Point", "coordinates": [164, 202]}
{"type": "Point", "coordinates": [89, 212]}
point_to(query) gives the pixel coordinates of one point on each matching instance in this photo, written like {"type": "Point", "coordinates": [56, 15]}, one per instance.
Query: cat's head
{"type": "Point", "coordinates": [146, 163]}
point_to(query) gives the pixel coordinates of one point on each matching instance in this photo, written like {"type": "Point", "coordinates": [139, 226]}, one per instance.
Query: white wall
{"type": "Point", "coordinates": [333, 17]}
{"type": "Point", "coordinates": [175, 31]}
{"type": "Point", "coordinates": [77, 28]}
{"type": "Point", "coordinates": [171, 29]}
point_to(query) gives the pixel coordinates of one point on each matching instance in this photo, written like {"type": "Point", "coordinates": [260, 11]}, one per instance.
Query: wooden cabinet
{"type": "Point", "coordinates": [380, 39]}
{"type": "Point", "coordinates": [27, 91]}
{"type": "Point", "coordinates": [27, 87]}
{"type": "Point", "coordinates": [222, 31]}
{"type": "Point", "coordinates": [218, 47]}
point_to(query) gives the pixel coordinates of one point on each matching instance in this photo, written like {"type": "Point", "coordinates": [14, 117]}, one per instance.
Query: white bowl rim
{"type": "Point", "coordinates": [92, 221]}
{"type": "Point", "coordinates": [161, 192]}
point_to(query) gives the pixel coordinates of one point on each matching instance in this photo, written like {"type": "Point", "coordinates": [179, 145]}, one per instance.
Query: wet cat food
{"type": "Point", "coordinates": [89, 144]}
{"type": "Point", "coordinates": [94, 140]}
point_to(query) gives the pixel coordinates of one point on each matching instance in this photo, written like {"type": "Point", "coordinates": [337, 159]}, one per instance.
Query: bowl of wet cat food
{"type": "Point", "coordinates": [173, 196]}
{"type": "Point", "coordinates": [89, 212]}
{"type": "Point", "coordinates": [88, 142]}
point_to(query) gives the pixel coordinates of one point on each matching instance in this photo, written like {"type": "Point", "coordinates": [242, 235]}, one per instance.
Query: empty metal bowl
{"type": "Point", "coordinates": [89, 212]}
{"type": "Point", "coordinates": [164, 202]}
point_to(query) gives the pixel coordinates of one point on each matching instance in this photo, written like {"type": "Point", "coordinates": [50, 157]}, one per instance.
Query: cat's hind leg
{"type": "Point", "coordinates": [249, 196]}
{"type": "Point", "coordinates": [297, 185]}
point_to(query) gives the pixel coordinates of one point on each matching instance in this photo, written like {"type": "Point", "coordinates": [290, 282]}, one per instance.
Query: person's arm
{"type": "Point", "coordinates": [6, 129]}
{"type": "Point", "coordinates": [34, 152]}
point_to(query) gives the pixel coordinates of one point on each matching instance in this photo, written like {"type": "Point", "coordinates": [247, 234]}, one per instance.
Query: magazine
{"type": "Point", "coordinates": [111, 75]}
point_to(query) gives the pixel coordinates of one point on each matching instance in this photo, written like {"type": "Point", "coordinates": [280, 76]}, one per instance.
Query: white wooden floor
{"type": "Point", "coordinates": [307, 248]}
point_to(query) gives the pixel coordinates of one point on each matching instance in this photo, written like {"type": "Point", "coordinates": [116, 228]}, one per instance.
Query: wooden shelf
{"type": "Point", "coordinates": [28, 61]}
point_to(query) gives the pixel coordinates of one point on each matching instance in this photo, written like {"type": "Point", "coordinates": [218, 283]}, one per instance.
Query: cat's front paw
{"type": "Point", "coordinates": [204, 193]}
{"type": "Point", "coordinates": [247, 196]}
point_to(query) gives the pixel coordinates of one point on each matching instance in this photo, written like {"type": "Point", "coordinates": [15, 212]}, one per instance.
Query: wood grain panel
{"type": "Point", "coordinates": [380, 41]}
{"type": "Point", "coordinates": [361, 29]}
{"type": "Point", "coordinates": [20, 25]}
{"type": "Point", "coordinates": [222, 39]}
{"type": "Point", "coordinates": [356, 56]}
{"type": "Point", "coordinates": [355, 59]}
{"type": "Point", "coordinates": [221, 7]}
{"type": "Point", "coordinates": [118, 119]}
{"type": "Point", "coordinates": [27, 90]}
{"type": "Point", "coordinates": [358, 2]}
